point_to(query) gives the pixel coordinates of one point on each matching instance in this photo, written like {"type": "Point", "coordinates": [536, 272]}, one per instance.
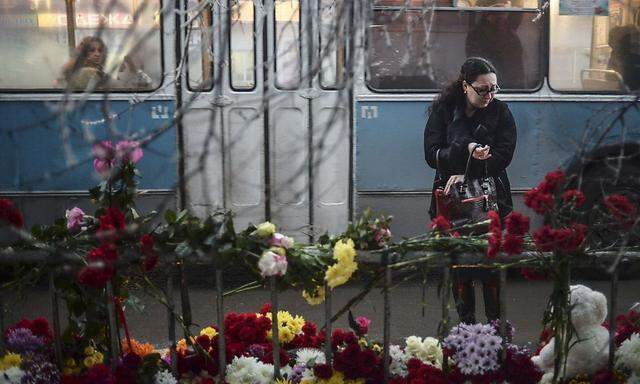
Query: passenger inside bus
{"type": "Point", "coordinates": [86, 69]}
{"type": "Point", "coordinates": [495, 38]}
{"type": "Point", "coordinates": [625, 54]}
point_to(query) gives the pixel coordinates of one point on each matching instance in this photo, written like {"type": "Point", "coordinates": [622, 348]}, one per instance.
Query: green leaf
{"type": "Point", "coordinates": [183, 249]}
{"type": "Point", "coordinates": [170, 216]}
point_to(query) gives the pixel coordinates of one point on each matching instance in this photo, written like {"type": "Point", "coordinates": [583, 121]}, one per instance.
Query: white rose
{"type": "Point", "coordinates": [272, 264]}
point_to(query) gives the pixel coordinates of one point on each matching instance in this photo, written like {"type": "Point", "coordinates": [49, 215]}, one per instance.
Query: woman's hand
{"type": "Point", "coordinates": [481, 152]}
{"type": "Point", "coordinates": [452, 180]}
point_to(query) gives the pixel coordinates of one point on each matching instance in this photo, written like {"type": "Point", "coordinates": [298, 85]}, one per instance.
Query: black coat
{"type": "Point", "coordinates": [450, 131]}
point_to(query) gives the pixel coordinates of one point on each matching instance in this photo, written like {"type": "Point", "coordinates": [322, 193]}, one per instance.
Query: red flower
{"type": "Point", "coordinates": [10, 214]}
{"type": "Point", "coordinates": [441, 224]}
{"type": "Point", "coordinates": [574, 196]}
{"type": "Point", "coordinates": [517, 224]}
{"type": "Point", "coordinates": [149, 255]}
{"type": "Point", "coordinates": [513, 244]}
{"type": "Point", "coordinates": [495, 225]}
{"type": "Point", "coordinates": [266, 308]}
{"type": "Point", "coordinates": [603, 376]}
{"type": "Point", "coordinates": [99, 374]}
{"type": "Point", "coordinates": [493, 244]}
{"type": "Point", "coordinates": [322, 371]}
{"type": "Point", "coordinates": [111, 223]}
{"type": "Point", "coordinates": [531, 274]}
{"type": "Point", "coordinates": [40, 327]}
{"type": "Point", "coordinates": [563, 239]}
{"type": "Point", "coordinates": [100, 268]}
{"type": "Point", "coordinates": [621, 208]}
{"type": "Point", "coordinates": [538, 200]}
{"type": "Point", "coordinates": [551, 181]}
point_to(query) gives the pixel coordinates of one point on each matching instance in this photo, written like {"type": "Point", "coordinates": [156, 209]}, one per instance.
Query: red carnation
{"type": "Point", "coordinates": [513, 244]}
{"type": "Point", "coordinates": [440, 224]}
{"type": "Point", "coordinates": [538, 200]}
{"type": "Point", "coordinates": [574, 196]}
{"type": "Point", "coordinates": [493, 244]}
{"type": "Point", "coordinates": [517, 224]}
{"type": "Point", "coordinates": [322, 371]}
{"type": "Point", "coordinates": [531, 274]}
{"type": "Point", "coordinates": [621, 208]}
{"type": "Point", "coordinates": [563, 239]}
{"type": "Point", "coordinates": [10, 214]}
{"type": "Point", "coordinates": [266, 308]}
{"type": "Point", "coordinates": [494, 225]}
{"type": "Point", "coordinates": [149, 255]}
{"type": "Point", "coordinates": [551, 181]}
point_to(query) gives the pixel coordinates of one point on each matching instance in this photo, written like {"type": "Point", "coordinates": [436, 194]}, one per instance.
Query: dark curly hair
{"type": "Point", "coordinates": [452, 94]}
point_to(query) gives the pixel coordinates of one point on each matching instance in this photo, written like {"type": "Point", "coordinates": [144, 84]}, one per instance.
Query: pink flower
{"type": "Point", "coordinates": [272, 264]}
{"type": "Point", "coordinates": [74, 216]}
{"type": "Point", "coordinates": [280, 240]}
{"type": "Point", "coordinates": [363, 325]}
{"type": "Point", "coordinates": [128, 150]}
{"type": "Point", "coordinates": [382, 235]}
{"type": "Point", "coordinates": [104, 157]}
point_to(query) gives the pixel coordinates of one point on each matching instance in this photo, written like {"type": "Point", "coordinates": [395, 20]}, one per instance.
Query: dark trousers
{"type": "Point", "coordinates": [464, 296]}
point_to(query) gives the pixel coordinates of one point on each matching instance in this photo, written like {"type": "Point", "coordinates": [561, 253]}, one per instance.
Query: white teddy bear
{"type": "Point", "coordinates": [589, 346]}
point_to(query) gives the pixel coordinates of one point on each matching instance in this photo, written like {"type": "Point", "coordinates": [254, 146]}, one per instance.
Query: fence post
{"type": "Point", "coordinates": [113, 327]}
{"type": "Point", "coordinates": [502, 295]}
{"type": "Point", "coordinates": [55, 312]}
{"type": "Point", "coordinates": [446, 290]}
{"type": "Point", "coordinates": [275, 339]}
{"type": "Point", "coordinates": [387, 317]}
{"type": "Point", "coordinates": [613, 304]}
{"type": "Point", "coordinates": [222, 358]}
{"type": "Point", "coordinates": [185, 301]}
{"type": "Point", "coordinates": [171, 319]}
{"type": "Point", "coordinates": [328, 352]}
{"type": "Point", "coordinates": [2, 346]}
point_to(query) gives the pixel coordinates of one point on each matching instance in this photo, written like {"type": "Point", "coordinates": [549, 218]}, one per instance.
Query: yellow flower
{"type": "Point", "coordinates": [88, 351]}
{"type": "Point", "coordinates": [283, 381]}
{"type": "Point", "coordinates": [376, 348]}
{"type": "Point", "coordinates": [71, 371]}
{"type": "Point", "coordinates": [336, 378]}
{"type": "Point", "coordinates": [308, 381]}
{"type": "Point", "coordinates": [99, 357]}
{"type": "Point", "coordinates": [89, 362]}
{"type": "Point", "coordinates": [363, 342]}
{"type": "Point", "coordinates": [340, 273]}
{"type": "Point", "coordinates": [10, 360]}
{"type": "Point", "coordinates": [278, 250]}
{"type": "Point", "coordinates": [316, 297]}
{"type": "Point", "coordinates": [344, 251]}
{"type": "Point", "coordinates": [71, 363]}
{"type": "Point", "coordinates": [138, 348]}
{"type": "Point", "coordinates": [209, 331]}
{"type": "Point", "coordinates": [288, 326]}
{"type": "Point", "coordinates": [265, 229]}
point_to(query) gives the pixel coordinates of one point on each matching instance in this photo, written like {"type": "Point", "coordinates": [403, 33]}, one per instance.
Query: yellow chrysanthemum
{"type": "Point", "coordinates": [338, 378]}
{"type": "Point", "coordinates": [288, 326]}
{"type": "Point", "coordinates": [209, 331]}
{"type": "Point", "coordinates": [316, 297]}
{"type": "Point", "coordinates": [283, 381]}
{"type": "Point", "coordinates": [344, 251]}
{"type": "Point", "coordinates": [340, 273]}
{"type": "Point", "coordinates": [89, 362]}
{"type": "Point", "coordinates": [308, 381]}
{"type": "Point", "coordinates": [376, 348]}
{"type": "Point", "coordinates": [140, 349]}
{"type": "Point", "coordinates": [70, 363]}
{"type": "Point", "coordinates": [363, 342]}
{"type": "Point", "coordinates": [71, 371]}
{"type": "Point", "coordinates": [10, 360]}
{"type": "Point", "coordinates": [88, 351]}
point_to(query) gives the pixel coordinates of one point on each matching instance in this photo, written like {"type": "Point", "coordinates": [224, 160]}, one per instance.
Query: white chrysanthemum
{"type": "Point", "coordinates": [399, 358]}
{"type": "Point", "coordinates": [310, 356]}
{"type": "Point", "coordinates": [248, 370]}
{"type": "Point", "coordinates": [427, 350]}
{"type": "Point", "coordinates": [628, 355]}
{"type": "Point", "coordinates": [165, 377]}
{"type": "Point", "coordinates": [12, 375]}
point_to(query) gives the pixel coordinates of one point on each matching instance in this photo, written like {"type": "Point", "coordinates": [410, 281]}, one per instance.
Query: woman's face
{"type": "Point", "coordinates": [95, 54]}
{"type": "Point", "coordinates": [482, 90]}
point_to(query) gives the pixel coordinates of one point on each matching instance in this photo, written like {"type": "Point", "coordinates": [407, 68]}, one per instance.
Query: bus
{"type": "Point", "coordinates": [303, 112]}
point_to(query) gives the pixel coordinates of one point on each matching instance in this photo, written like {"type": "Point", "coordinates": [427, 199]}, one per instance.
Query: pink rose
{"type": "Point", "coordinates": [363, 325]}
{"type": "Point", "coordinates": [104, 157]}
{"type": "Point", "coordinates": [128, 150]}
{"type": "Point", "coordinates": [75, 216]}
{"type": "Point", "coordinates": [272, 264]}
{"type": "Point", "coordinates": [280, 240]}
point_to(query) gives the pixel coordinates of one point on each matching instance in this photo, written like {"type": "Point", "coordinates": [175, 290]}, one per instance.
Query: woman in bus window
{"type": "Point", "coordinates": [467, 116]}
{"type": "Point", "coordinates": [85, 70]}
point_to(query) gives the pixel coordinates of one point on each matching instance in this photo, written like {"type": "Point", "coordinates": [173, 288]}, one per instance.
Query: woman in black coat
{"type": "Point", "coordinates": [465, 116]}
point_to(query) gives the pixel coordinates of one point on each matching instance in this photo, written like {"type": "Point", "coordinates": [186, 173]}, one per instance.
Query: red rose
{"type": "Point", "coordinates": [9, 214]}
{"type": "Point", "coordinates": [323, 371]}
{"type": "Point", "coordinates": [517, 224]}
{"type": "Point", "coordinates": [574, 196]}
{"type": "Point", "coordinates": [111, 223]}
{"type": "Point", "coordinates": [440, 224]}
{"type": "Point", "coordinates": [513, 245]}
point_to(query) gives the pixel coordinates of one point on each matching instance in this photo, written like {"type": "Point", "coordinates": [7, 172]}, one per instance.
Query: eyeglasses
{"type": "Point", "coordinates": [483, 91]}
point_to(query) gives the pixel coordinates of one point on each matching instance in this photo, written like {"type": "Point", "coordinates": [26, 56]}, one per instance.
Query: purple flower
{"type": "Point", "coordinates": [475, 348]}
{"type": "Point", "coordinates": [257, 351]}
{"type": "Point", "coordinates": [40, 370]}
{"type": "Point", "coordinates": [75, 216]}
{"type": "Point", "coordinates": [128, 150]}
{"type": "Point", "coordinates": [22, 340]}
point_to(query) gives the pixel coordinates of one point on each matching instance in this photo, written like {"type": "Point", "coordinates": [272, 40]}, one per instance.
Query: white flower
{"type": "Point", "coordinates": [248, 370]}
{"type": "Point", "coordinates": [12, 375]}
{"type": "Point", "coordinates": [310, 355]}
{"type": "Point", "coordinates": [280, 240]}
{"type": "Point", "coordinates": [628, 355]}
{"type": "Point", "coordinates": [164, 377]}
{"type": "Point", "coordinates": [427, 350]}
{"type": "Point", "coordinates": [272, 264]}
{"type": "Point", "coordinates": [399, 358]}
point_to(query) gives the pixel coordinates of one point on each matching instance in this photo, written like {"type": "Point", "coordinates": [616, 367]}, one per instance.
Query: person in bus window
{"type": "Point", "coordinates": [465, 115]}
{"type": "Point", "coordinates": [85, 69]}
{"type": "Point", "coordinates": [495, 38]}
{"type": "Point", "coordinates": [625, 54]}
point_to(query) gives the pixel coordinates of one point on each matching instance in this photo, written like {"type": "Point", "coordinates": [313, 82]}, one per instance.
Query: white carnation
{"type": "Point", "coordinates": [427, 350]}
{"type": "Point", "coordinates": [165, 377]}
{"type": "Point", "coordinates": [399, 358]}
{"type": "Point", "coordinates": [248, 370]}
{"type": "Point", "coordinates": [628, 355]}
{"type": "Point", "coordinates": [308, 355]}
{"type": "Point", "coordinates": [11, 375]}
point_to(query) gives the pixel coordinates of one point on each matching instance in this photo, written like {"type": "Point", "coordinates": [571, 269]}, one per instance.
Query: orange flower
{"type": "Point", "coordinates": [140, 349]}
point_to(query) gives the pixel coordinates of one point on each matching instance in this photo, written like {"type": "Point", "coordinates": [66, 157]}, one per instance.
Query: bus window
{"type": "Point", "coordinates": [243, 72]}
{"type": "Point", "coordinates": [333, 15]}
{"type": "Point", "coordinates": [287, 31]}
{"type": "Point", "coordinates": [200, 48]}
{"type": "Point", "coordinates": [595, 53]}
{"type": "Point", "coordinates": [525, 4]}
{"type": "Point", "coordinates": [416, 50]}
{"type": "Point", "coordinates": [34, 44]}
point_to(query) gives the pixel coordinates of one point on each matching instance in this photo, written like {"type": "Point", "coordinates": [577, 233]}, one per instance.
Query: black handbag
{"type": "Point", "coordinates": [469, 201]}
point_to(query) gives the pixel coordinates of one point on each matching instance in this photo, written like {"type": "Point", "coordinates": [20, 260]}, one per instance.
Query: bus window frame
{"type": "Point", "coordinates": [338, 84]}
{"type": "Point", "coordinates": [188, 72]}
{"type": "Point", "coordinates": [255, 52]}
{"type": "Point", "coordinates": [300, 84]}
{"type": "Point", "coordinates": [64, 90]}
{"type": "Point", "coordinates": [543, 62]}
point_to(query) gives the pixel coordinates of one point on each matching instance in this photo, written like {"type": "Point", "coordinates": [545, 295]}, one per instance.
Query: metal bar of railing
{"type": "Point", "coordinates": [2, 327]}
{"type": "Point", "coordinates": [55, 312]}
{"type": "Point", "coordinates": [171, 320]}
{"type": "Point", "coordinates": [386, 358]}
{"type": "Point", "coordinates": [327, 324]}
{"type": "Point", "coordinates": [222, 356]}
{"type": "Point", "coordinates": [113, 327]}
{"type": "Point", "coordinates": [275, 339]}
{"type": "Point", "coordinates": [613, 303]}
{"type": "Point", "coordinates": [502, 297]}
{"type": "Point", "coordinates": [185, 301]}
